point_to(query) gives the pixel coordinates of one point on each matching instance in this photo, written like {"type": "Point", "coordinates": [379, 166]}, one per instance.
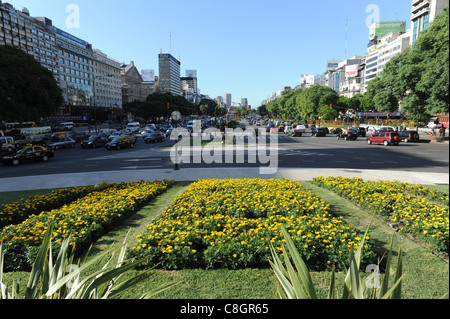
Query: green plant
{"type": "Point", "coordinates": [297, 283]}
{"type": "Point", "coordinates": [63, 280]}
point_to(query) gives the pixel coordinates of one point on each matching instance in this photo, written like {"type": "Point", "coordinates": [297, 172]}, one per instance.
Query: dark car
{"type": "Point", "coordinates": [62, 142]}
{"type": "Point", "coordinates": [320, 131]}
{"type": "Point", "coordinates": [154, 137]}
{"type": "Point", "coordinates": [95, 141]}
{"type": "Point", "coordinates": [337, 130]}
{"type": "Point", "coordinates": [28, 154]}
{"type": "Point", "coordinates": [79, 137]}
{"type": "Point", "coordinates": [361, 131]}
{"type": "Point", "coordinates": [385, 138]}
{"type": "Point", "coordinates": [347, 135]}
{"type": "Point", "coordinates": [409, 136]}
{"type": "Point", "coordinates": [132, 135]}
{"type": "Point", "coordinates": [120, 142]}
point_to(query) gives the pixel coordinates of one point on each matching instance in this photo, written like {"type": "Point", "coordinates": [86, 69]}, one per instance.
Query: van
{"type": "Point", "coordinates": [67, 125]}
{"type": "Point", "coordinates": [133, 126]}
{"type": "Point", "coordinates": [7, 143]}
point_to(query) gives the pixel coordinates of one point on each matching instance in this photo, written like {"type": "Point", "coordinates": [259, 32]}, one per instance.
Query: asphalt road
{"type": "Point", "coordinates": [292, 152]}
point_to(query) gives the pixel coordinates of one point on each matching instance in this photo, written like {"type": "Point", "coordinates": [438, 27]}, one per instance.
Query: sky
{"type": "Point", "coordinates": [247, 48]}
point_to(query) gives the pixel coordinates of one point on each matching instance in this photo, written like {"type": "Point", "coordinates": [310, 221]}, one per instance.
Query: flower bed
{"type": "Point", "coordinates": [421, 209]}
{"type": "Point", "coordinates": [231, 224]}
{"type": "Point", "coordinates": [17, 212]}
{"type": "Point", "coordinates": [85, 220]}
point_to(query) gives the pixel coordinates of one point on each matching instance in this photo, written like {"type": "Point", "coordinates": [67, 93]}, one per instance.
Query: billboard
{"type": "Point", "coordinates": [148, 75]}
{"type": "Point", "coordinates": [379, 29]}
{"type": "Point", "coordinates": [351, 70]}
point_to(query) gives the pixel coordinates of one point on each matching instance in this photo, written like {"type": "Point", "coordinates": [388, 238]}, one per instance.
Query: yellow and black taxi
{"type": "Point", "coordinates": [120, 142]}
{"type": "Point", "coordinates": [28, 154]}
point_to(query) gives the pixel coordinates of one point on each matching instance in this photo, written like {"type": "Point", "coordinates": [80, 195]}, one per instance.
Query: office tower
{"type": "Point", "coordinates": [107, 81]}
{"type": "Point", "coordinates": [169, 74]}
{"type": "Point", "coordinates": [227, 100]}
{"type": "Point", "coordinates": [423, 13]}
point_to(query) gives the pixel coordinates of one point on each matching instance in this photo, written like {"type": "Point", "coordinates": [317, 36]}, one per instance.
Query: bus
{"type": "Point", "coordinates": [10, 128]}
{"type": "Point", "coordinates": [443, 120]}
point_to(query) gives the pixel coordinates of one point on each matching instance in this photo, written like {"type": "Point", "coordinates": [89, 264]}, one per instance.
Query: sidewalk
{"type": "Point", "coordinates": [194, 174]}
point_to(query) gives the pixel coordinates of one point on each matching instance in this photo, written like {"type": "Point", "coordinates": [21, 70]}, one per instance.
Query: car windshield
{"type": "Point", "coordinates": [92, 138]}
{"type": "Point", "coordinates": [116, 140]}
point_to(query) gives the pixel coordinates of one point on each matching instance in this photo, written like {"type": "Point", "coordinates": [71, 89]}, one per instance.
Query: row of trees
{"type": "Point", "coordinates": [415, 81]}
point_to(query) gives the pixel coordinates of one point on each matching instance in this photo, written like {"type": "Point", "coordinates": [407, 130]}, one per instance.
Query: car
{"type": "Point", "coordinates": [360, 131]}
{"type": "Point", "coordinates": [132, 135]}
{"type": "Point", "coordinates": [409, 136]}
{"type": "Point", "coordinates": [347, 135]}
{"type": "Point", "coordinates": [281, 128]}
{"type": "Point", "coordinates": [120, 142]}
{"type": "Point", "coordinates": [336, 130]}
{"type": "Point", "coordinates": [154, 137]}
{"type": "Point", "coordinates": [385, 129]}
{"type": "Point", "coordinates": [62, 142]}
{"type": "Point", "coordinates": [287, 129]}
{"type": "Point", "coordinates": [385, 138]}
{"type": "Point", "coordinates": [114, 135]}
{"type": "Point", "coordinates": [320, 131]}
{"type": "Point", "coordinates": [79, 136]}
{"type": "Point", "coordinates": [298, 130]}
{"type": "Point", "coordinates": [95, 141]}
{"type": "Point", "coordinates": [28, 154]}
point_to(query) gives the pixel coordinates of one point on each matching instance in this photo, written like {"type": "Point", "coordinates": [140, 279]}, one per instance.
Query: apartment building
{"type": "Point", "coordinates": [107, 81]}
{"type": "Point", "coordinates": [35, 36]}
{"type": "Point", "coordinates": [423, 13]}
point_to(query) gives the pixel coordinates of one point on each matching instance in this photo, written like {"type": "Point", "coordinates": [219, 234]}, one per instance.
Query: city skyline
{"type": "Point", "coordinates": [246, 49]}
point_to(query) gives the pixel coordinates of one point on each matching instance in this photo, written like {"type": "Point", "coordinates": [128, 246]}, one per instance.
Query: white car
{"type": "Point", "coordinates": [287, 129]}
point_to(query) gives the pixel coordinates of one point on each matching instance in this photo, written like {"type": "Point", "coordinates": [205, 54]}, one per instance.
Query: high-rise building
{"type": "Point", "coordinates": [244, 103]}
{"type": "Point", "coordinates": [107, 81]}
{"type": "Point", "coordinates": [79, 71]}
{"type": "Point", "coordinates": [423, 13]}
{"type": "Point", "coordinates": [169, 74]}
{"type": "Point", "coordinates": [227, 100]}
{"type": "Point", "coordinates": [35, 36]}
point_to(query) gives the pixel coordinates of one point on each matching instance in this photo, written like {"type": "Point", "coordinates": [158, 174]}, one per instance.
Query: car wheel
{"type": "Point", "coordinates": [15, 162]}
{"type": "Point", "coordinates": [45, 158]}
{"type": "Point", "coordinates": [345, 138]}
{"type": "Point", "coordinates": [385, 143]}
{"type": "Point", "coordinates": [338, 137]}
{"type": "Point", "coordinates": [131, 145]}
{"type": "Point", "coordinates": [56, 147]}
{"type": "Point", "coordinates": [118, 147]}
{"type": "Point", "coordinates": [369, 142]}
{"type": "Point", "coordinates": [72, 145]}
{"type": "Point", "coordinates": [10, 149]}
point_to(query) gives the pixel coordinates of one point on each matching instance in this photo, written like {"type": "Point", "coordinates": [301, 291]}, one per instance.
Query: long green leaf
{"type": "Point", "coordinates": [294, 278]}
{"type": "Point", "coordinates": [31, 291]}
{"type": "Point", "coordinates": [331, 293]}
{"type": "Point", "coordinates": [300, 265]}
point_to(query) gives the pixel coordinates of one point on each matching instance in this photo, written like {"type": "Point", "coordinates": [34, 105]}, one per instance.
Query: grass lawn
{"type": "Point", "coordinates": [427, 275]}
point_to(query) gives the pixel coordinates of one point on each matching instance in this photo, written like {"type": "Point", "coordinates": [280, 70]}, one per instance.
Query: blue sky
{"type": "Point", "coordinates": [247, 48]}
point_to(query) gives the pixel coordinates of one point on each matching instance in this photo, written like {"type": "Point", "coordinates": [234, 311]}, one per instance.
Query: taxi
{"type": "Point", "coordinates": [28, 154]}
{"type": "Point", "coordinates": [120, 142]}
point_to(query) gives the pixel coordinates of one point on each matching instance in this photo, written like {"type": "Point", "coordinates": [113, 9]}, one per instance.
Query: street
{"type": "Point", "coordinates": [293, 152]}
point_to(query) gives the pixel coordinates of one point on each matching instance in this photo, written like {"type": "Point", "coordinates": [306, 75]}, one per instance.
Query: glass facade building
{"type": "Point", "coordinates": [169, 74]}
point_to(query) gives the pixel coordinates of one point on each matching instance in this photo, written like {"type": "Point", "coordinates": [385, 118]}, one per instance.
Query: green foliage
{"type": "Point", "coordinates": [62, 279]}
{"type": "Point", "coordinates": [28, 90]}
{"type": "Point", "coordinates": [418, 77]}
{"type": "Point", "coordinates": [297, 283]}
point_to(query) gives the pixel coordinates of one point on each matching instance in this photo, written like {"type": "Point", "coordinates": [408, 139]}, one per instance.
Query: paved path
{"type": "Point", "coordinates": [194, 174]}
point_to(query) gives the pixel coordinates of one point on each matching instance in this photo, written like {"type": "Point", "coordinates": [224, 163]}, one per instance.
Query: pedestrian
{"type": "Point", "coordinates": [442, 131]}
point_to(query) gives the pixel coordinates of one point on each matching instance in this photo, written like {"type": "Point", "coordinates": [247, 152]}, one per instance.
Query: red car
{"type": "Point", "coordinates": [385, 138]}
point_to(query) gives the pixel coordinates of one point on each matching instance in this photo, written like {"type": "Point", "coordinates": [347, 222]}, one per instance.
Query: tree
{"type": "Point", "coordinates": [28, 91]}
{"type": "Point", "coordinates": [418, 78]}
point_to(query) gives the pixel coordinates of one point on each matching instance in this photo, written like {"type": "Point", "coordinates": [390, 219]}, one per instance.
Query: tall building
{"type": "Point", "coordinates": [35, 36]}
{"type": "Point", "coordinates": [244, 103]}
{"type": "Point", "coordinates": [350, 76]}
{"type": "Point", "coordinates": [80, 72]}
{"type": "Point", "coordinates": [227, 100]}
{"type": "Point", "coordinates": [189, 87]}
{"type": "Point", "coordinates": [423, 13]}
{"type": "Point", "coordinates": [76, 67]}
{"type": "Point", "coordinates": [107, 81]}
{"type": "Point", "coordinates": [169, 74]}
